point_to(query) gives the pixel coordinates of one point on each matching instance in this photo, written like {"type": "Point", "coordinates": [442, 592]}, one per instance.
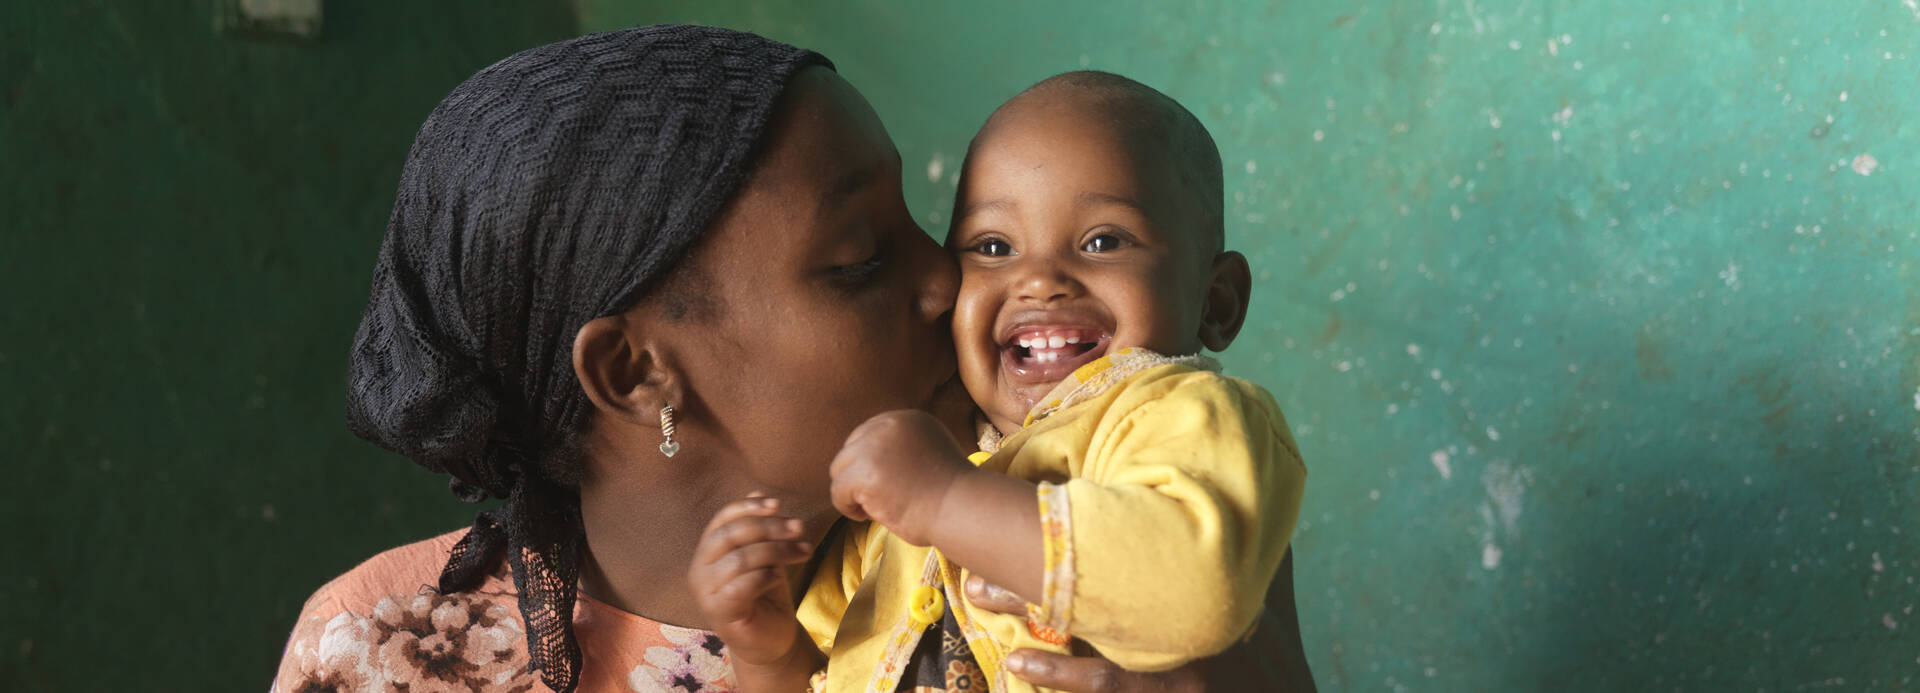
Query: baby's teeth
{"type": "Point", "coordinates": [1056, 341]}
{"type": "Point", "coordinates": [1073, 340]}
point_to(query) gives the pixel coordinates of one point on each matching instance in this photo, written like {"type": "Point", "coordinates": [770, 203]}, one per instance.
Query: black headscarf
{"type": "Point", "coordinates": [550, 189]}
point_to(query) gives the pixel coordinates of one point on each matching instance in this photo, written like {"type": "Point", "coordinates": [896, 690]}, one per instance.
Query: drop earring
{"type": "Point", "coordinates": [670, 446]}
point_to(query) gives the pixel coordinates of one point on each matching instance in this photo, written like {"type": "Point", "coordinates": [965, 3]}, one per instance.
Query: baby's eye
{"type": "Point", "coordinates": [993, 247]}
{"type": "Point", "coordinates": [1101, 244]}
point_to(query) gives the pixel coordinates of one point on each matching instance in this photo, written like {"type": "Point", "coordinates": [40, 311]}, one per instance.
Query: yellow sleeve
{"type": "Point", "coordinates": [1160, 551]}
{"type": "Point", "coordinates": [849, 554]}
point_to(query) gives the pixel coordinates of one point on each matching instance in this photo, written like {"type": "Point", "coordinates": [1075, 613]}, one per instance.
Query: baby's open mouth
{"type": "Point", "coordinates": [1050, 353]}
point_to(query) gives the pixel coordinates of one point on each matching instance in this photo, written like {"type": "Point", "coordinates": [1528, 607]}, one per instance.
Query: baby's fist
{"type": "Point", "coordinates": [895, 469]}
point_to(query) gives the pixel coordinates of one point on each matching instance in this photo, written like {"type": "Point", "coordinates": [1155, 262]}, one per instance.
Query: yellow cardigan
{"type": "Point", "coordinates": [1167, 493]}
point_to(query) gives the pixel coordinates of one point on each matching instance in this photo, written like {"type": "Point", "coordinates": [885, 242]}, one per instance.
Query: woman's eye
{"type": "Point", "coordinates": [1101, 244]}
{"type": "Point", "coordinates": [993, 248]}
{"type": "Point", "coordinates": [858, 271]}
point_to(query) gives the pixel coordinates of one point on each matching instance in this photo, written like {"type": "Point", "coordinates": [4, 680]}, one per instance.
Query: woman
{"type": "Point", "coordinates": [629, 277]}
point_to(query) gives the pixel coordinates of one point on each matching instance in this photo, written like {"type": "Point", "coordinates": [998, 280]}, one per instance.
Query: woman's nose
{"type": "Point", "coordinates": [939, 278]}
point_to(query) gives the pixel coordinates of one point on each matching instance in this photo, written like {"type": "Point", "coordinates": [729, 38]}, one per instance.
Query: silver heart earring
{"type": "Point", "coordinates": [671, 446]}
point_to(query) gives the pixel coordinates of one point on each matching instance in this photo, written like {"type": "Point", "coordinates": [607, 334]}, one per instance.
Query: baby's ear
{"type": "Point", "coordinates": [1229, 286]}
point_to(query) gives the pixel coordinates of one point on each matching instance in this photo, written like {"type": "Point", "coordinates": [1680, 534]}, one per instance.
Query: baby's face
{"type": "Point", "coordinates": [1072, 242]}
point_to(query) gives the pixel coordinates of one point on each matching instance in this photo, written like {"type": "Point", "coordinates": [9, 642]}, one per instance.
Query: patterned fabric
{"type": "Point", "coordinates": [375, 629]}
{"type": "Point", "coordinates": [942, 662]}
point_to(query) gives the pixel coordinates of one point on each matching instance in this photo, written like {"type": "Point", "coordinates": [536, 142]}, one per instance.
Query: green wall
{"type": "Point", "coordinates": [1605, 361]}
{"type": "Point", "coordinates": [189, 228]}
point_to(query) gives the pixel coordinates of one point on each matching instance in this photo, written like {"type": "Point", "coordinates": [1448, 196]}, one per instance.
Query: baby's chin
{"type": "Point", "coordinates": [1013, 402]}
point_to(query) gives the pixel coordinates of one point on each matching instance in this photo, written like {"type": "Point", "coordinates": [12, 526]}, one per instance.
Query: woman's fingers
{"type": "Point", "coordinates": [992, 597]}
{"type": "Point", "coordinates": [1097, 675]}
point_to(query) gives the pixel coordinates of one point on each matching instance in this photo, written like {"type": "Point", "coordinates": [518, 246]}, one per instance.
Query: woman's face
{"type": "Point", "coordinates": [831, 304]}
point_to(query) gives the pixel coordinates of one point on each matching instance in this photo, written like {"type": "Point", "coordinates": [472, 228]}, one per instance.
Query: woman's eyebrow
{"type": "Point", "coordinates": [845, 187]}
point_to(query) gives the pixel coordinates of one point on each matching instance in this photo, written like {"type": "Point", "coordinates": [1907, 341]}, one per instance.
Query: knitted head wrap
{"type": "Point", "coordinates": [550, 189]}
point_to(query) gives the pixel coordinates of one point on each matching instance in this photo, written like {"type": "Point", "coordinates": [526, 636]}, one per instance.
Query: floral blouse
{"type": "Point", "coordinates": [377, 628]}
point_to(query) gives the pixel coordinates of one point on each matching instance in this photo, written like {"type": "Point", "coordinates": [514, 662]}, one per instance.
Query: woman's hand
{"type": "Point", "coordinates": [1079, 674]}
{"type": "Point", "coordinates": [1271, 660]}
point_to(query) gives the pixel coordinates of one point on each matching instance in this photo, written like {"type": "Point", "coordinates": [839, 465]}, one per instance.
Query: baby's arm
{"type": "Point", "coordinates": [903, 470]}
{"type": "Point", "coordinates": [1180, 519]}
{"type": "Point", "coordinates": [739, 580]}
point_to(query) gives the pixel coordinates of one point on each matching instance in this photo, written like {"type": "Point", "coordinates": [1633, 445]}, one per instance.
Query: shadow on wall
{"type": "Point", "coordinates": [191, 227]}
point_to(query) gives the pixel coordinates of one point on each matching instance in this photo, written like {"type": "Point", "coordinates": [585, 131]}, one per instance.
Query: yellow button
{"type": "Point", "coordinates": [979, 458]}
{"type": "Point", "coordinates": [928, 605]}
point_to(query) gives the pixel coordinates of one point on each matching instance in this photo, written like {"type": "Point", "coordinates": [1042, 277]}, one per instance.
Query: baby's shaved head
{"type": "Point", "coordinates": [1143, 115]}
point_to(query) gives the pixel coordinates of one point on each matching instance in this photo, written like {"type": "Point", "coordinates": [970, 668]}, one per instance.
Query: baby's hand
{"type": "Point", "coordinates": [739, 579]}
{"type": "Point", "coordinates": [895, 469]}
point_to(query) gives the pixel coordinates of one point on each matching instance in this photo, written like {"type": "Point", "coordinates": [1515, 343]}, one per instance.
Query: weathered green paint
{"type": "Point", "coordinates": [1611, 262]}
{"type": "Point", "coordinates": [189, 229]}
{"type": "Point", "coordinates": [1671, 357]}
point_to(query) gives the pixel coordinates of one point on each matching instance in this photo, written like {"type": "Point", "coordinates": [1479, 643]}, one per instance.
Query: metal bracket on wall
{"type": "Point", "coordinates": [297, 20]}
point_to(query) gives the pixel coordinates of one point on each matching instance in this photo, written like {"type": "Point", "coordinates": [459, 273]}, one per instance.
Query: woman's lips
{"type": "Point", "coordinates": [1049, 353]}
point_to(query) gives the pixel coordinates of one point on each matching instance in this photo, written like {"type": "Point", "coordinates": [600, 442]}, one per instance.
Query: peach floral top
{"type": "Point", "coordinates": [377, 628]}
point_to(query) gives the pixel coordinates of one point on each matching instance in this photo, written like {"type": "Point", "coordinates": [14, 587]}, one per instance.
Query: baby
{"type": "Point", "coordinates": [1135, 498]}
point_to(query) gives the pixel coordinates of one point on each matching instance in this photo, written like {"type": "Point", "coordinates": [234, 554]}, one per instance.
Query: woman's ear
{"type": "Point", "coordinates": [626, 373]}
{"type": "Point", "coordinates": [1229, 286]}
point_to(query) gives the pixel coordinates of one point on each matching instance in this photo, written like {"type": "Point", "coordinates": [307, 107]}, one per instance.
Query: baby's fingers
{"type": "Point", "coordinates": [766, 555]}
{"type": "Point", "coordinates": [745, 528]}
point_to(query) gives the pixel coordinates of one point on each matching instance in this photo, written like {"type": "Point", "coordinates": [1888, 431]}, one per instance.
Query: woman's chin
{"type": "Point", "coordinates": [954, 408]}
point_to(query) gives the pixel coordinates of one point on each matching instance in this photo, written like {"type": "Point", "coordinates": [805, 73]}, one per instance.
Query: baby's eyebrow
{"type": "Point", "coordinates": [1091, 198]}
{"type": "Point", "coordinates": [972, 208]}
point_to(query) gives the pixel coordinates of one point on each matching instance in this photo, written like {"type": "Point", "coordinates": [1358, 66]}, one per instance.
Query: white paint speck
{"type": "Point", "coordinates": [936, 166]}
{"type": "Point", "coordinates": [1441, 461]}
{"type": "Point", "coordinates": [1253, 166]}
{"type": "Point", "coordinates": [1513, 45]}
{"type": "Point", "coordinates": [1864, 164]}
{"type": "Point", "coordinates": [1878, 566]}
{"type": "Point", "coordinates": [1731, 275]}
{"type": "Point", "coordinates": [1489, 556]}
{"type": "Point", "coordinates": [1373, 495]}
{"type": "Point", "coordinates": [1413, 349]}
{"type": "Point", "coordinates": [1887, 620]}
{"type": "Point", "coordinates": [1319, 135]}
{"type": "Point", "coordinates": [1843, 96]}
{"type": "Point", "coordinates": [1506, 487]}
